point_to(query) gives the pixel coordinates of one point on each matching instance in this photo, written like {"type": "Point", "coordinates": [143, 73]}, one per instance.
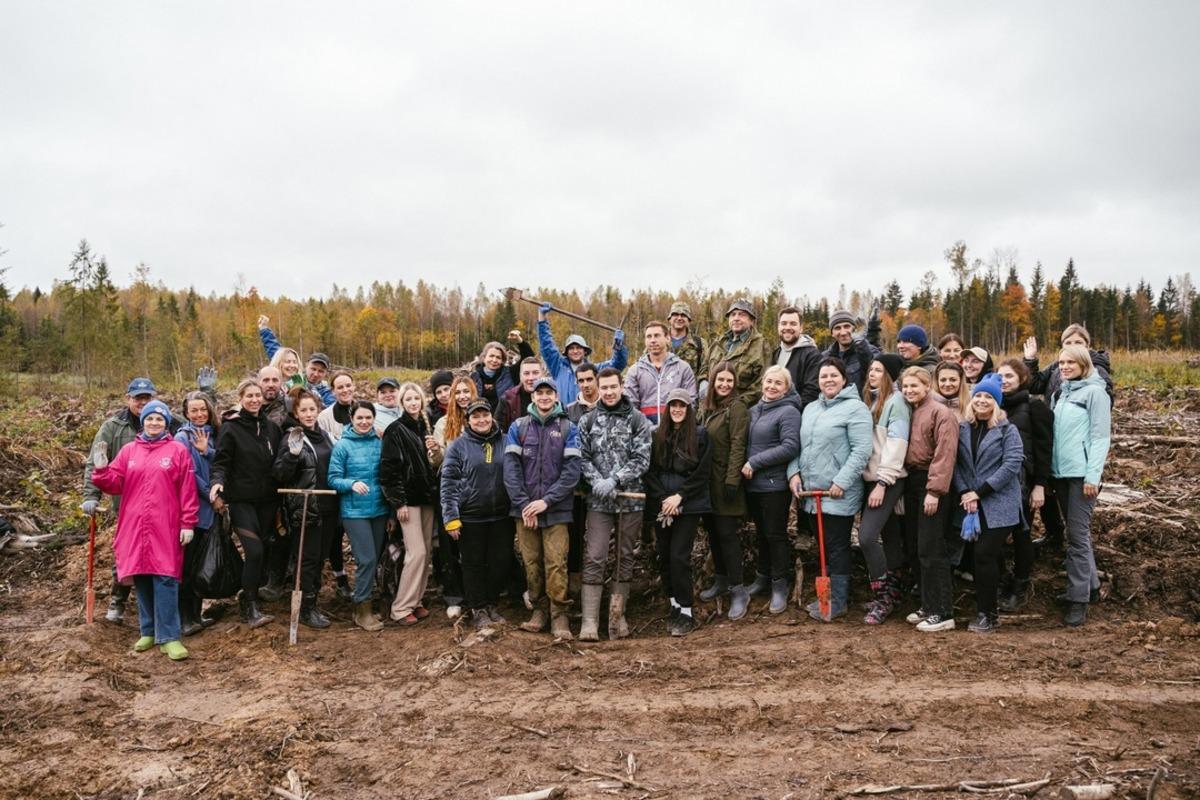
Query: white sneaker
{"type": "Point", "coordinates": [915, 617]}
{"type": "Point", "coordinates": [453, 612]}
{"type": "Point", "coordinates": [933, 623]}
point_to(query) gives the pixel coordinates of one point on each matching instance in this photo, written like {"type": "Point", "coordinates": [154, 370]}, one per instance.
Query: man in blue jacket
{"type": "Point", "coordinates": [561, 365]}
{"type": "Point", "coordinates": [541, 468]}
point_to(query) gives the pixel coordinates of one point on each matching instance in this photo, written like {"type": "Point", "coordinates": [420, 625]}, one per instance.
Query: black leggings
{"type": "Point", "coordinates": [575, 534]}
{"type": "Point", "coordinates": [675, 557]}
{"type": "Point", "coordinates": [316, 545]}
{"type": "Point", "coordinates": [769, 511]}
{"type": "Point", "coordinates": [487, 552]}
{"type": "Point", "coordinates": [989, 550]}
{"type": "Point", "coordinates": [252, 522]}
{"type": "Point", "coordinates": [725, 546]}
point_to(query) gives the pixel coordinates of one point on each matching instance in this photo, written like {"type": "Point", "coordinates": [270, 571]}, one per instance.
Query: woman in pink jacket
{"type": "Point", "coordinates": [159, 507]}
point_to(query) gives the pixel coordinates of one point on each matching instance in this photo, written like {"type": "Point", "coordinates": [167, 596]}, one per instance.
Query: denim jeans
{"type": "Point", "coordinates": [158, 607]}
{"type": "Point", "coordinates": [366, 542]}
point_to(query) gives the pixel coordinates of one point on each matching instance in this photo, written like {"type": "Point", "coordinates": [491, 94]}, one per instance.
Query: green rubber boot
{"type": "Point", "coordinates": [143, 644]}
{"type": "Point", "coordinates": [174, 650]}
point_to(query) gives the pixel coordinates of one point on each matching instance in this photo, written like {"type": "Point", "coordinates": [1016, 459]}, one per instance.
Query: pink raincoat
{"type": "Point", "coordinates": [157, 486]}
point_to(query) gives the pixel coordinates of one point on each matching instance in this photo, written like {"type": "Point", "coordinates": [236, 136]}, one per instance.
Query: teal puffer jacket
{"type": "Point", "coordinates": [835, 444]}
{"type": "Point", "coordinates": [1082, 429]}
{"type": "Point", "coordinates": [356, 458]}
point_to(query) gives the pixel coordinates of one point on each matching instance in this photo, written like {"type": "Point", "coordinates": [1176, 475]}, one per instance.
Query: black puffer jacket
{"type": "Point", "coordinates": [1035, 422]}
{"type": "Point", "coordinates": [473, 478]}
{"type": "Point", "coordinates": [671, 472]}
{"type": "Point", "coordinates": [404, 471]}
{"type": "Point", "coordinates": [308, 470]}
{"type": "Point", "coordinates": [246, 449]}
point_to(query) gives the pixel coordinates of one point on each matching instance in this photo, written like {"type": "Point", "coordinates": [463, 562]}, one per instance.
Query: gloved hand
{"type": "Point", "coordinates": [206, 379]}
{"type": "Point", "coordinates": [605, 488]}
{"type": "Point", "coordinates": [89, 506]}
{"type": "Point", "coordinates": [619, 339]}
{"type": "Point", "coordinates": [100, 456]}
{"type": "Point", "coordinates": [295, 441]}
{"type": "Point", "coordinates": [970, 527]}
{"type": "Point", "coordinates": [729, 495]}
{"type": "Point", "coordinates": [185, 536]}
{"type": "Point", "coordinates": [874, 318]}
{"type": "Point", "coordinates": [546, 308]}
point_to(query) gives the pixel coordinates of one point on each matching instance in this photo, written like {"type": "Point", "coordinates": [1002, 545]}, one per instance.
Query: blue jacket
{"type": "Point", "coordinates": [993, 471]}
{"type": "Point", "coordinates": [559, 367]}
{"type": "Point", "coordinates": [541, 462]}
{"type": "Point", "coordinates": [773, 441]}
{"type": "Point", "coordinates": [202, 466]}
{"type": "Point", "coordinates": [473, 478]}
{"type": "Point", "coordinates": [836, 442]}
{"type": "Point", "coordinates": [356, 458]}
{"type": "Point", "coordinates": [271, 344]}
{"type": "Point", "coordinates": [1082, 429]}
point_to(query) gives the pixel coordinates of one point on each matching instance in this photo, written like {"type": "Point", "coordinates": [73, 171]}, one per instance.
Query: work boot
{"type": "Point", "coordinates": [248, 606]}
{"type": "Point", "coordinates": [342, 587]}
{"type": "Point", "coordinates": [310, 615]}
{"type": "Point", "coordinates": [739, 601]}
{"type": "Point", "coordinates": [779, 596]}
{"type": "Point", "coordinates": [720, 586]}
{"type": "Point", "coordinates": [1075, 614]}
{"type": "Point", "coordinates": [618, 628]}
{"type": "Point", "coordinates": [881, 606]}
{"type": "Point", "coordinates": [590, 594]}
{"type": "Point", "coordinates": [761, 585]}
{"type": "Point", "coordinates": [274, 588]}
{"type": "Point", "coordinates": [560, 626]}
{"type": "Point", "coordinates": [537, 620]}
{"type": "Point", "coordinates": [364, 617]}
{"type": "Point", "coordinates": [117, 599]}
{"type": "Point", "coordinates": [1016, 598]}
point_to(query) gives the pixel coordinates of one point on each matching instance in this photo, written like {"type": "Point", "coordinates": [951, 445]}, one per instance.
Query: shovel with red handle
{"type": "Point", "coordinates": [822, 581]}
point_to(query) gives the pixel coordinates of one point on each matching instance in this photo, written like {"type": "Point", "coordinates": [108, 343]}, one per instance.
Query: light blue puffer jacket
{"type": "Point", "coordinates": [1082, 429]}
{"type": "Point", "coordinates": [356, 458]}
{"type": "Point", "coordinates": [835, 445]}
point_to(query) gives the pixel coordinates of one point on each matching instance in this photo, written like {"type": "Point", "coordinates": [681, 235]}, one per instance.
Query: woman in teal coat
{"type": "Point", "coordinates": [354, 473]}
{"type": "Point", "coordinates": [835, 445]}
{"type": "Point", "coordinates": [1082, 430]}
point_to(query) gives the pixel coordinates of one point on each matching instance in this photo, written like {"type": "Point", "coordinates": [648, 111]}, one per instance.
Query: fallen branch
{"type": "Point", "coordinates": [978, 787]}
{"type": "Point", "coordinates": [528, 729]}
{"type": "Point", "coordinates": [1095, 791]}
{"type": "Point", "coordinates": [612, 776]}
{"type": "Point", "coordinates": [551, 793]}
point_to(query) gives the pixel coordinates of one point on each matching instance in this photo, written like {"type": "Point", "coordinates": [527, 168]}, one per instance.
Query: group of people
{"type": "Point", "coordinates": [526, 475]}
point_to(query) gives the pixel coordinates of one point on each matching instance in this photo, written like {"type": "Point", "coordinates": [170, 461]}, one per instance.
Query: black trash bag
{"type": "Point", "coordinates": [218, 564]}
{"type": "Point", "coordinates": [391, 564]}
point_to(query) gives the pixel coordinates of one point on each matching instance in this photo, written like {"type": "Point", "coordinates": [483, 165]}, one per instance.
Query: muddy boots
{"type": "Point", "coordinates": [560, 625]}
{"type": "Point", "coordinates": [618, 628]}
{"type": "Point", "coordinates": [1016, 598]}
{"type": "Point", "coordinates": [537, 620]}
{"type": "Point", "coordinates": [720, 586]}
{"type": "Point", "coordinates": [310, 615]}
{"type": "Point", "coordinates": [839, 599]}
{"type": "Point", "coordinates": [1075, 614]}
{"type": "Point", "coordinates": [364, 617]}
{"type": "Point", "coordinates": [591, 594]}
{"type": "Point", "coordinates": [116, 602]}
{"type": "Point", "coordinates": [251, 615]}
{"type": "Point", "coordinates": [761, 585]}
{"type": "Point", "coordinates": [739, 601]}
{"type": "Point", "coordinates": [189, 614]}
{"type": "Point", "coordinates": [779, 596]}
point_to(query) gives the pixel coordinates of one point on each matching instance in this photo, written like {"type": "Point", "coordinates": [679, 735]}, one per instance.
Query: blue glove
{"type": "Point", "coordinates": [547, 307]}
{"type": "Point", "coordinates": [970, 527]}
{"type": "Point", "coordinates": [619, 339]}
{"type": "Point", "coordinates": [605, 488]}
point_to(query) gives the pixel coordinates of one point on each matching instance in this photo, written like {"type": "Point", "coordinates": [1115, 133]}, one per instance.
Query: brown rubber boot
{"type": "Point", "coordinates": [365, 618]}
{"type": "Point", "coordinates": [618, 628]}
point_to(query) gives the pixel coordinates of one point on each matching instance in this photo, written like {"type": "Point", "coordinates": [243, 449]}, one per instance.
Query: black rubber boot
{"type": "Point", "coordinates": [1075, 615]}
{"type": "Point", "coordinates": [189, 618]}
{"type": "Point", "coordinates": [1016, 598]}
{"type": "Point", "coordinates": [310, 615]}
{"type": "Point", "coordinates": [248, 606]}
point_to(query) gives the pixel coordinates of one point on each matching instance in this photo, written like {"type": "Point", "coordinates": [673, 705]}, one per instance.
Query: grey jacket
{"type": "Point", "coordinates": [774, 440]}
{"type": "Point", "coordinates": [993, 470]}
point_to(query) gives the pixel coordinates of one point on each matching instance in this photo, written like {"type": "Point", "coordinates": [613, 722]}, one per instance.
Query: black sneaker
{"type": "Point", "coordinates": [984, 623]}
{"type": "Point", "coordinates": [681, 625]}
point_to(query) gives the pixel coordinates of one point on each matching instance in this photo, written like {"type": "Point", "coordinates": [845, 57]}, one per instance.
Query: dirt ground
{"type": "Point", "coordinates": [768, 707]}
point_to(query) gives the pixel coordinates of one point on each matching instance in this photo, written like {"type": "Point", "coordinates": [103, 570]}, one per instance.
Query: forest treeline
{"type": "Point", "coordinates": [88, 326]}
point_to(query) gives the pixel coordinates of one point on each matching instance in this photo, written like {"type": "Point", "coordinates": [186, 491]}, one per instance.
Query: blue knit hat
{"type": "Point", "coordinates": [155, 407]}
{"type": "Point", "coordinates": [913, 334]}
{"type": "Point", "coordinates": [990, 383]}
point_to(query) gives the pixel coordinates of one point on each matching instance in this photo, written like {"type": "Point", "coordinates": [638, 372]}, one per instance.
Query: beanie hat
{"type": "Point", "coordinates": [840, 316]}
{"type": "Point", "coordinates": [443, 377]}
{"type": "Point", "coordinates": [892, 364]}
{"type": "Point", "coordinates": [155, 407]}
{"type": "Point", "coordinates": [913, 334]}
{"type": "Point", "coordinates": [990, 383]}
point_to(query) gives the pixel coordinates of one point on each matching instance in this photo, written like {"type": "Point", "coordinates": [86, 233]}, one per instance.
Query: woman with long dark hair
{"type": "Point", "coordinates": [677, 486]}
{"type": "Point", "coordinates": [726, 420]}
{"type": "Point", "coordinates": [199, 435]}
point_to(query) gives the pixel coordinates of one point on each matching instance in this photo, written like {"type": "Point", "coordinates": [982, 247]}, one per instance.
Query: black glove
{"type": "Point", "coordinates": [730, 494]}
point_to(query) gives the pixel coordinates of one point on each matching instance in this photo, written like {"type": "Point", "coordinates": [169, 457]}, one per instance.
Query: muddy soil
{"type": "Point", "coordinates": [768, 707]}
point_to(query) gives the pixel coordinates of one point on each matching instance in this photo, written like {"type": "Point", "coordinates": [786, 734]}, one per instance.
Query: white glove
{"type": "Point", "coordinates": [295, 441]}
{"type": "Point", "coordinates": [185, 536]}
{"type": "Point", "coordinates": [100, 456]}
{"type": "Point", "coordinates": [89, 506]}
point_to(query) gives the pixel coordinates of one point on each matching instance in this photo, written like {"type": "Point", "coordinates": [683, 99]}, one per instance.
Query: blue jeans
{"type": "Point", "coordinates": [158, 607]}
{"type": "Point", "coordinates": [366, 542]}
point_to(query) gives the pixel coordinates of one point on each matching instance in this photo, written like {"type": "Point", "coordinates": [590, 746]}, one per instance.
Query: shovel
{"type": "Point", "coordinates": [297, 595]}
{"type": "Point", "coordinates": [89, 597]}
{"type": "Point", "coordinates": [822, 580]}
{"type": "Point", "coordinates": [516, 294]}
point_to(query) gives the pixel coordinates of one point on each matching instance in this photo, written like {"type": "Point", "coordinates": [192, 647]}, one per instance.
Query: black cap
{"type": "Point", "coordinates": [478, 404]}
{"type": "Point", "coordinates": [320, 358]}
{"type": "Point", "coordinates": [385, 382]}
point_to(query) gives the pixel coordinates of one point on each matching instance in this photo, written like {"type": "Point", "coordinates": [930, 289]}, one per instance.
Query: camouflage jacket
{"type": "Point", "coordinates": [750, 358]}
{"type": "Point", "coordinates": [615, 443]}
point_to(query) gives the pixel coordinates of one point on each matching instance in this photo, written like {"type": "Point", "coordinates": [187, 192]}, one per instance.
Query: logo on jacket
{"type": "Point", "coordinates": [165, 462]}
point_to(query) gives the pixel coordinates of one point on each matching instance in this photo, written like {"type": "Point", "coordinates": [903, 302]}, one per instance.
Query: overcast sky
{"type": "Point", "coordinates": [570, 144]}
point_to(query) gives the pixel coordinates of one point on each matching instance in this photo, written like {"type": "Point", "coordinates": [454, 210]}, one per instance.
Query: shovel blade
{"type": "Point", "coordinates": [294, 623]}
{"type": "Point", "coordinates": [823, 597]}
